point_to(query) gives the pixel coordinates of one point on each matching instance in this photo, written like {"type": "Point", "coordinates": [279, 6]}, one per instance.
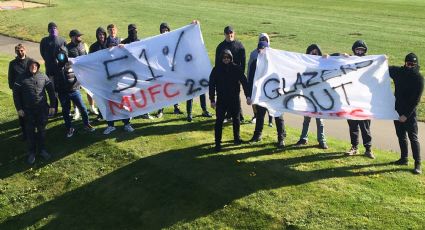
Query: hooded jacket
{"type": "Point", "coordinates": [313, 47]}
{"type": "Point", "coordinates": [98, 45]}
{"type": "Point", "coordinates": [237, 49]}
{"type": "Point", "coordinates": [29, 90]}
{"type": "Point", "coordinates": [132, 35]}
{"type": "Point", "coordinates": [254, 54]}
{"type": "Point", "coordinates": [409, 85]}
{"type": "Point", "coordinates": [226, 81]}
{"type": "Point", "coordinates": [359, 43]}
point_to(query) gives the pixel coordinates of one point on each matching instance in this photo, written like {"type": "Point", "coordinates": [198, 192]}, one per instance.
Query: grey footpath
{"type": "Point", "coordinates": [383, 132]}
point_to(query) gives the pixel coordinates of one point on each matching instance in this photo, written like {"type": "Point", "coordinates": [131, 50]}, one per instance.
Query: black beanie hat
{"type": "Point", "coordinates": [411, 58]}
{"type": "Point", "coordinates": [51, 25]}
{"type": "Point", "coordinates": [164, 25]}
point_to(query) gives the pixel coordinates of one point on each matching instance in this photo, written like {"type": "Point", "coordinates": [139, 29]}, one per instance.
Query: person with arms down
{"type": "Point", "coordinates": [409, 85]}
{"type": "Point", "coordinates": [225, 80]}
{"type": "Point", "coordinates": [29, 96]}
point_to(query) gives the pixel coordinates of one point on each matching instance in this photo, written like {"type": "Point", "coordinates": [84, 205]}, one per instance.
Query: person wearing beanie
{"type": "Point", "coordinates": [313, 49]}
{"type": "Point", "coordinates": [253, 56]}
{"type": "Point", "coordinates": [164, 28]}
{"type": "Point", "coordinates": [261, 111]}
{"type": "Point", "coordinates": [48, 47]}
{"type": "Point", "coordinates": [238, 51]}
{"type": "Point", "coordinates": [409, 85]}
{"type": "Point", "coordinates": [359, 49]}
{"type": "Point", "coordinates": [29, 96]}
{"type": "Point", "coordinates": [132, 35]}
{"type": "Point", "coordinates": [225, 80]}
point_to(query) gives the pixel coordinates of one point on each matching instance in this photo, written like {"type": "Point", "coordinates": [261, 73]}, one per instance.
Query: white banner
{"type": "Point", "coordinates": [335, 88]}
{"type": "Point", "coordinates": [146, 75]}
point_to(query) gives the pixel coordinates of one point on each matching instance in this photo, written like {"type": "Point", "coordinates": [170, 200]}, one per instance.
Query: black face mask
{"type": "Point", "coordinates": [132, 35]}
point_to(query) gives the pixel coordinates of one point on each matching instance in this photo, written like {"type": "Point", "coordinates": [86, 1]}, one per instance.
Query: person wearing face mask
{"type": "Point", "coordinates": [225, 80]}
{"type": "Point", "coordinates": [359, 48]}
{"type": "Point", "coordinates": [409, 85]}
{"type": "Point", "coordinates": [261, 111]}
{"type": "Point", "coordinates": [132, 35]}
{"type": "Point", "coordinates": [18, 67]}
{"type": "Point", "coordinates": [48, 47]}
{"type": "Point", "coordinates": [313, 49]}
{"type": "Point", "coordinates": [29, 96]}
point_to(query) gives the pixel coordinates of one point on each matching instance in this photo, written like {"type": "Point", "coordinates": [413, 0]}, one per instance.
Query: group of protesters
{"type": "Point", "coordinates": [29, 87]}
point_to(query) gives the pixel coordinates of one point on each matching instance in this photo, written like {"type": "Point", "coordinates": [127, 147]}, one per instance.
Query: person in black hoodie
{"type": "Point", "coordinates": [100, 43]}
{"type": "Point", "coordinates": [132, 35]}
{"type": "Point", "coordinates": [68, 89]}
{"type": "Point", "coordinates": [409, 85]}
{"type": "Point", "coordinates": [313, 49]}
{"type": "Point", "coordinates": [29, 96]}
{"type": "Point", "coordinates": [18, 67]}
{"type": "Point", "coordinates": [359, 48]}
{"type": "Point", "coordinates": [261, 111]}
{"type": "Point", "coordinates": [225, 79]}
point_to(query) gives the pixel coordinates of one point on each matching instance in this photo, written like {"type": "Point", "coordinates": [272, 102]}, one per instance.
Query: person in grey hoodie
{"type": "Point", "coordinates": [313, 49]}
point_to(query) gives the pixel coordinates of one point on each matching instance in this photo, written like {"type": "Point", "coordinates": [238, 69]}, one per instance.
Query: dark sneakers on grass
{"type": "Point", "coordinates": [31, 158]}
{"type": "Point", "coordinates": [255, 139]}
{"type": "Point", "coordinates": [281, 144]}
{"type": "Point", "coordinates": [301, 142]}
{"type": "Point", "coordinates": [417, 169]}
{"type": "Point", "coordinates": [46, 156]}
{"type": "Point", "coordinates": [323, 145]}
{"type": "Point", "coordinates": [238, 141]}
{"type": "Point", "coordinates": [368, 153]}
{"type": "Point", "coordinates": [206, 114]}
{"type": "Point", "coordinates": [401, 161]}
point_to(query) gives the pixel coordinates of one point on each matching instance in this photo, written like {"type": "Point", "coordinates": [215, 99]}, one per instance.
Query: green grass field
{"type": "Point", "coordinates": [165, 174]}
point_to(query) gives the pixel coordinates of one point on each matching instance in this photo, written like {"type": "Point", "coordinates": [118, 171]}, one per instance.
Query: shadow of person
{"type": "Point", "coordinates": [184, 184]}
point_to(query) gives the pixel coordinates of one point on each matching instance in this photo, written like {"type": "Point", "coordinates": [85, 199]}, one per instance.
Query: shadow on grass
{"type": "Point", "coordinates": [173, 186]}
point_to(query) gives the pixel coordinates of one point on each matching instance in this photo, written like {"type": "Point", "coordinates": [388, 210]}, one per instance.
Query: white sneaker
{"type": "Point", "coordinates": [109, 130]}
{"type": "Point", "coordinates": [128, 128]}
{"type": "Point", "coordinates": [77, 114]}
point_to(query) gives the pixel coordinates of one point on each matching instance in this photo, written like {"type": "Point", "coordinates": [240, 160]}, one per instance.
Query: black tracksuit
{"type": "Point", "coordinates": [261, 111]}
{"type": "Point", "coordinates": [409, 85]}
{"type": "Point", "coordinates": [48, 48]}
{"type": "Point", "coordinates": [238, 52]}
{"type": "Point", "coordinates": [29, 95]}
{"type": "Point", "coordinates": [226, 81]}
{"type": "Point", "coordinates": [18, 67]}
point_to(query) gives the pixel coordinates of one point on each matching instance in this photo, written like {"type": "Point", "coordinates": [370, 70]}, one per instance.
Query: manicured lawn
{"type": "Point", "coordinates": [165, 175]}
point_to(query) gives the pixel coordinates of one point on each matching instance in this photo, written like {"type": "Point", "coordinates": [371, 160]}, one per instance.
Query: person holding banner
{"type": "Point", "coordinates": [313, 49]}
{"type": "Point", "coordinates": [261, 111]}
{"type": "Point", "coordinates": [225, 80]}
{"type": "Point", "coordinates": [409, 85]}
{"type": "Point", "coordinates": [359, 48]}
{"type": "Point", "coordinates": [165, 28]}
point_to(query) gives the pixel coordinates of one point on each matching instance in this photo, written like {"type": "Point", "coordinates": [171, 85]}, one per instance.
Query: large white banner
{"type": "Point", "coordinates": [336, 87]}
{"type": "Point", "coordinates": [146, 75]}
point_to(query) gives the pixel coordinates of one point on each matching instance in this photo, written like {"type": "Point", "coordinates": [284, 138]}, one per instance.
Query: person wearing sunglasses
{"type": "Point", "coordinates": [409, 85]}
{"type": "Point", "coordinates": [225, 80]}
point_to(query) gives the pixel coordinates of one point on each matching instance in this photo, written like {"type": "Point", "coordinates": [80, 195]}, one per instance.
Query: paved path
{"type": "Point", "coordinates": [383, 132]}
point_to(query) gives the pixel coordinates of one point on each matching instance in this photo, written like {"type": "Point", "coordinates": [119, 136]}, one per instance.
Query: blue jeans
{"type": "Point", "coordinates": [320, 129]}
{"type": "Point", "coordinates": [65, 100]}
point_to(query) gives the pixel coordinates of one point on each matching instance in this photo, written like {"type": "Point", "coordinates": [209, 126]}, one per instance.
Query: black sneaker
{"type": "Point", "coordinates": [323, 145]}
{"type": "Point", "coordinates": [177, 111]}
{"type": "Point", "coordinates": [417, 169]}
{"type": "Point", "coordinates": [281, 144]}
{"type": "Point", "coordinates": [401, 161]}
{"type": "Point", "coordinates": [46, 156]}
{"type": "Point", "coordinates": [206, 114]}
{"type": "Point", "coordinates": [217, 148]}
{"type": "Point", "coordinates": [189, 118]}
{"type": "Point", "coordinates": [255, 139]}
{"type": "Point", "coordinates": [31, 158]}
{"type": "Point", "coordinates": [70, 132]}
{"type": "Point", "coordinates": [301, 142]}
{"type": "Point", "coordinates": [369, 154]}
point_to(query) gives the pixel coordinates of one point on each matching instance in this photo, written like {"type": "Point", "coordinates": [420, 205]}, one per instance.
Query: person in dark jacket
{"type": "Point", "coordinates": [69, 90]}
{"type": "Point", "coordinates": [100, 43]}
{"type": "Point", "coordinates": [409, 85]}
{"type": "Point", "coordinates": [29, 96]}
{"type": "Point", "coordinates": [18, 67]}
{"type": "Point", "coordinates": [225, 79]}
{"type": "Point", "coordinates": [238, 51]}
{"type": "Point", "coordinates": [359, 48]}
{"type": "Point", "coordinates": [261, 111]}
{"type": "Point", "coordinates": [132, 35]}
{"type": "Point", "coordinates": [164, 28]}
{"type": "Point", "coordinates": [48, 47]}
{"type": "Point", "coordinates": [313, 49]}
